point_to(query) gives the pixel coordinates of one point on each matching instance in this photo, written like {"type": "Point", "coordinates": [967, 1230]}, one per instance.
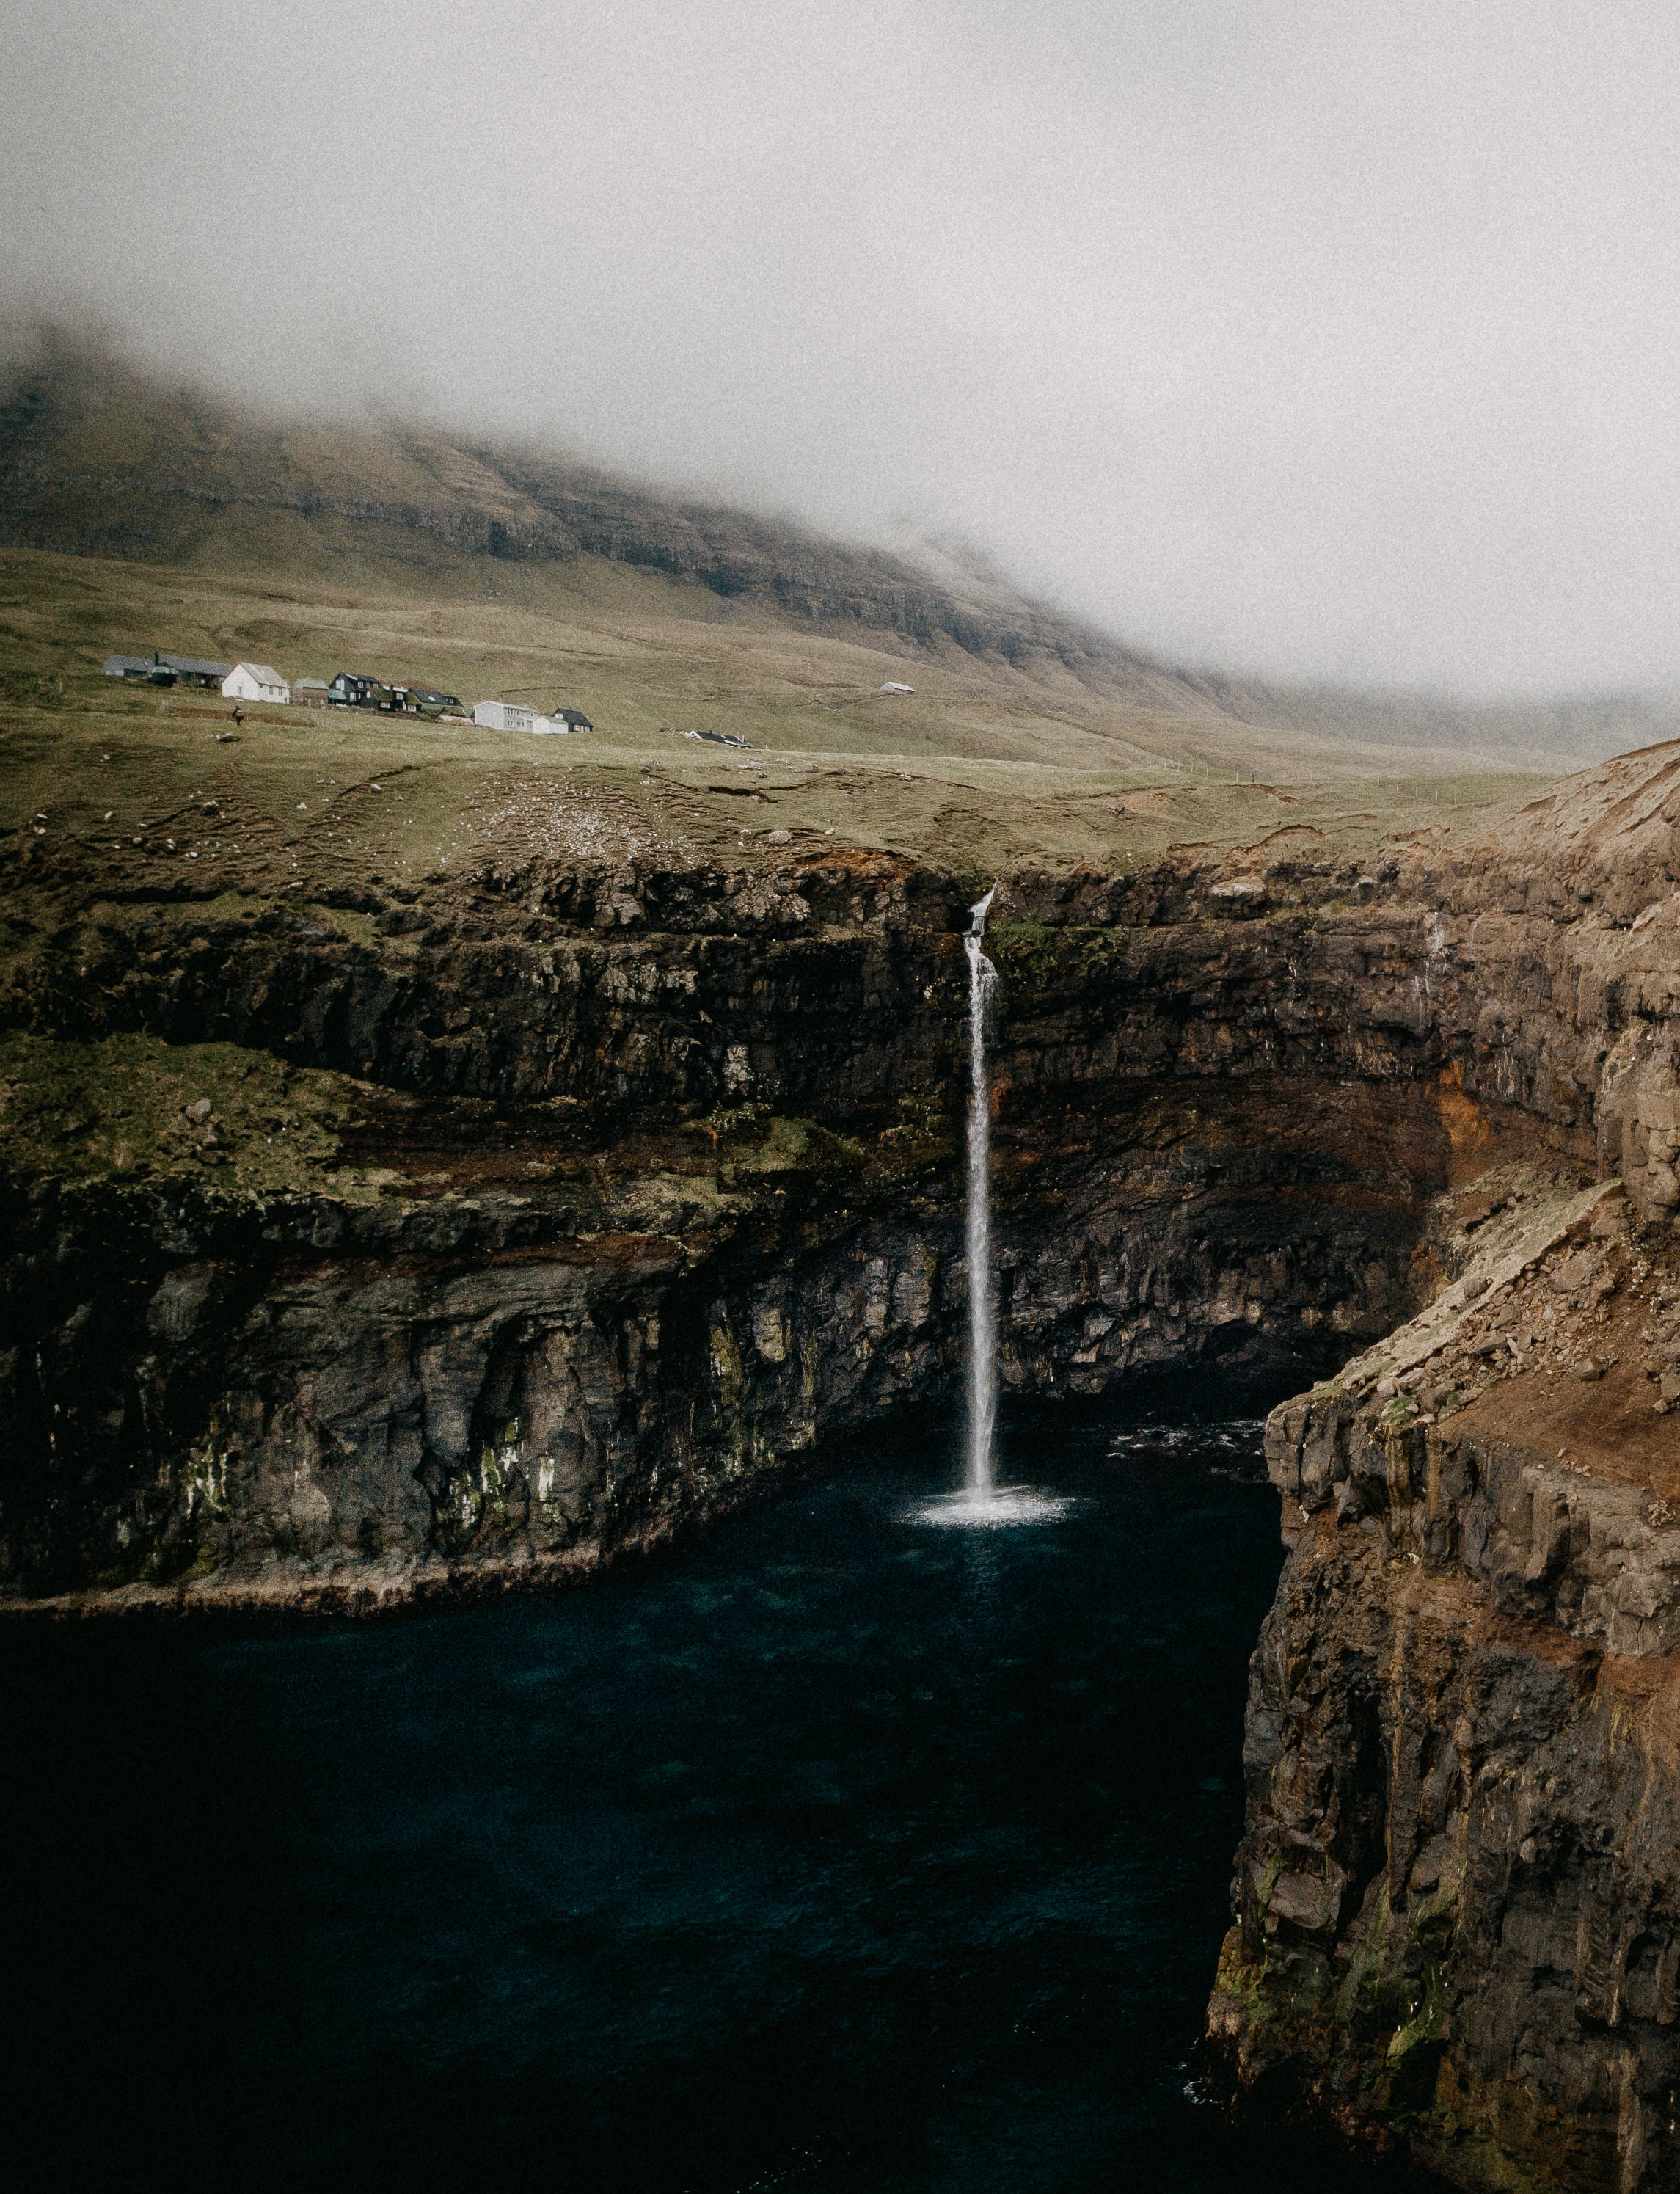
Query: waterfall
{"type": "Point", "coordinates": [981, 1307]}
{"type": "Point", "coordinates": [983, 1501]}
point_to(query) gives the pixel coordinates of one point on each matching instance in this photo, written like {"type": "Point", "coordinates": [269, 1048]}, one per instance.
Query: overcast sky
{"type": "Point", "coordinates": [1326, 339]}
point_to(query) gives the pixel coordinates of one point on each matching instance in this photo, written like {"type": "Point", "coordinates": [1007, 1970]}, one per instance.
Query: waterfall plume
{"type": "Point", "coordinates": [982, 1303]}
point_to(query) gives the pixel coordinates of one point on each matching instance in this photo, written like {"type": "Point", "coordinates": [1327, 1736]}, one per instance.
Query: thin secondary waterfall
{"type": "Point", "coordinates": [982, 1306]}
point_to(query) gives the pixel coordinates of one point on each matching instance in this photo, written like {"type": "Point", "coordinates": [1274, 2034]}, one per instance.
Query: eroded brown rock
{"type": "Point", "coordinates": [1457, 1925]}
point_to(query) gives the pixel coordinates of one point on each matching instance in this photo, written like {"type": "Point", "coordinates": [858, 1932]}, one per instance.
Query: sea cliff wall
{"type": "Point", "coordinates": [391, 1243]}
{"type": "Point", "coordinates": [359, 1251]}
{"type": "Point", "coordinates": [403, 1240]}
{"type": "Point", "coordinates": [1455, 1922]}
{"type": "Point", "coordinates": [1456, 1925]}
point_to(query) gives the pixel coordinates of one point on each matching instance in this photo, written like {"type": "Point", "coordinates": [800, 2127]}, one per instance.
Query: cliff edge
{"type": "Point", "coordinates": [1455, 1904]}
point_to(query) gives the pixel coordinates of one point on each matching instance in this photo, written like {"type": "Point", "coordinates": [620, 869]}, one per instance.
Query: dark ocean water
{"type": "Point", "coordinates": [839, 1851]}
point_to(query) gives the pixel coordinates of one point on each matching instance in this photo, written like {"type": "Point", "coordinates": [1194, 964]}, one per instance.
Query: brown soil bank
{"type": "Point", "coordinates": [364, 1238]}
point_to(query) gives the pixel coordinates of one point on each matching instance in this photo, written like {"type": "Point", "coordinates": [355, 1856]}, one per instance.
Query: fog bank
{"type": "Point", "coordinates": [1308, 342]}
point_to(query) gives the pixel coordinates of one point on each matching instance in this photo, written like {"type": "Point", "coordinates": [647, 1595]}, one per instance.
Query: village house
{"type": "Point", "coordinates": [351, 690]}
{"type": "Point", "coordinates": [426, 699]}
{"type": "Point", "coordinates": [189, 671]}
{"type": "Point", "coordinates": [504, 716]}
{"type": "Point", "coordinates": [512, 716]}
{"type": "Point", "coordinates": [131, 666]}
{"type": "Point", "coordinates": [255, 681]}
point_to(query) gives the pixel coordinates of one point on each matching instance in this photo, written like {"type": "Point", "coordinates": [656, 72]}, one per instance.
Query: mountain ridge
{"type": "Point", "coordinates": [101, 458]}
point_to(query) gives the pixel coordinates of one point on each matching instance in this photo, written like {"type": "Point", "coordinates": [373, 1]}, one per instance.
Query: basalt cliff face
{"type": "Point", "coordinates": [626, 1187]}
{"type": "Point", "coordinates": [1456, 1900]}
{"type": "Point", "coordinates": [397, 1243]}
{"type": "Point", "coordinates": [1456, 1920]}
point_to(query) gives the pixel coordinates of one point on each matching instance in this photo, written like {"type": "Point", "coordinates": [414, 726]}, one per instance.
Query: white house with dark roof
{"type": "Point", "coordinates": [255, 681]}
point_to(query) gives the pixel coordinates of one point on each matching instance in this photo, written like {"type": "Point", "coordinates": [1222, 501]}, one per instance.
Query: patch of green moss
{"type": "Point", "coordinates": [116, 1109]}
{"type": "Point", "coordinates": [1476, 2159]}
{"type": "Point", "coordinates": [359, 929]}
{"type": "Point", "coordinates": [786, 1143]}
{"type": "Point", "coordinates": [1032, 957]}
{"type": "Point", "coordinates": [1242, 1982]}
{"type": "Point", "coordinates": [727, 1377]}
{"type": "Point", "coordinates": [1267, 1883]}
{"type": "Point", "coordinates": [1426, 2023]}
{"type": "Point", "coordinates": [1358, 1998]}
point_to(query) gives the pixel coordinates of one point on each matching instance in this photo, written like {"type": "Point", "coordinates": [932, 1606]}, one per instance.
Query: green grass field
{"type": "Point", "coordinates": [985, 768]}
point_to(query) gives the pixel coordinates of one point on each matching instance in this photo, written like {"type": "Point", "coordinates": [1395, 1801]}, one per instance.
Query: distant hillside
{"type": "Point", "coordinates": [99, 459]}
{"type": "Point", "coordinates": [1591, 725]}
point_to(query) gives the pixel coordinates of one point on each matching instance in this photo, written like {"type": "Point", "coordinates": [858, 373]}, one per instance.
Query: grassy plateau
{"type": "Point", "coordinates": [987, 766]}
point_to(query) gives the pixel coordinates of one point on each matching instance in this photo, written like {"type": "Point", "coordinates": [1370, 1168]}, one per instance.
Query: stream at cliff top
{"type": "Point", "coordinates": [833, 1853]}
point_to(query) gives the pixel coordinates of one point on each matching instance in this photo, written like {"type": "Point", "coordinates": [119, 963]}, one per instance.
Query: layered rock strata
{"type": "Point", "coordinates": [391, 1243]}
{"type": "Point", "coordinates": [528, 1228]}
{"type": "Point", "coordinates": [1456, 1913]}
{"type": "Point", "coordinates": [1457, 1924]}
{"type": "Point", "coordinates": [631, 1181]}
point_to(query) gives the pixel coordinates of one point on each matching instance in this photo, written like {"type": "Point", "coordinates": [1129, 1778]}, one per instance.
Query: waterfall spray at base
{"type": "Point", "coordinates": [982, 1306]}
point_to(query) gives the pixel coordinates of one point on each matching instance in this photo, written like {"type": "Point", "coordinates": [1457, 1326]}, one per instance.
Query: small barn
{"type": "Point", "coordinates": [190, 671]}
{"type": "Point", "coordinates": [255, 681]}
{"type": "Point", "coordinates": [309, 694]}
{"type": "Point", "coordinates": [128, 666]}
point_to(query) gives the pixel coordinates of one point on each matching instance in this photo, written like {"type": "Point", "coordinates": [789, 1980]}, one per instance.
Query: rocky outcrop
{"type": "Point", "coordinates": [323, 1402]}
{"type": "Point", "coordinates": [1455, 1927]}
{"type": "Point", "coordinates": [1456, 1920]}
